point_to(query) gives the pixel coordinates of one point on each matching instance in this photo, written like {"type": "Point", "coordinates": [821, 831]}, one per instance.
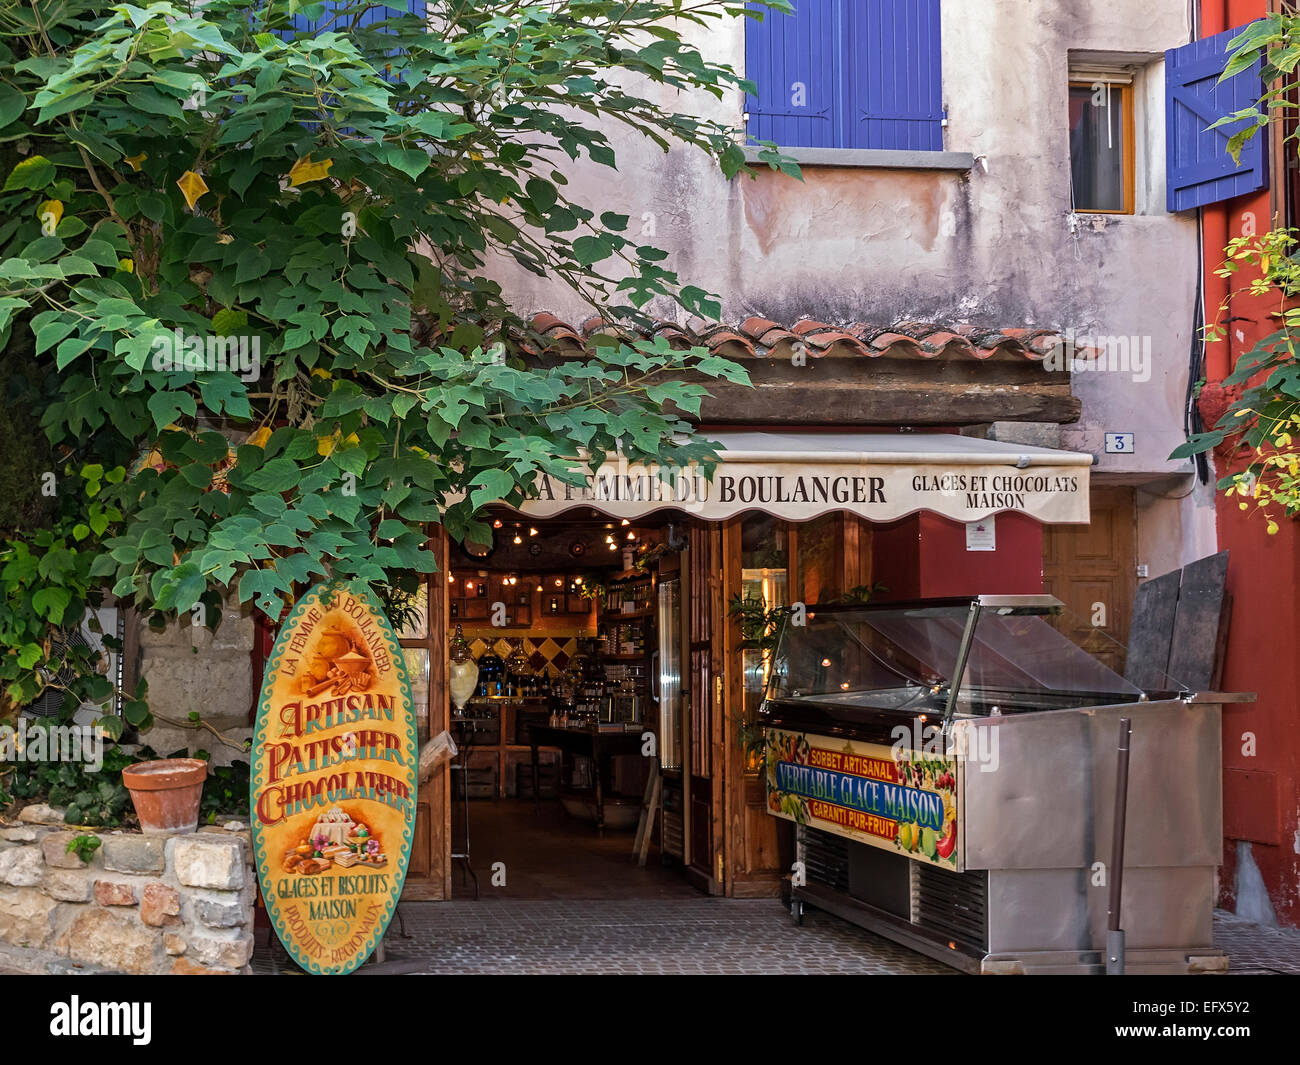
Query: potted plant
{"type": "Point", "coordinates": [166, 793]}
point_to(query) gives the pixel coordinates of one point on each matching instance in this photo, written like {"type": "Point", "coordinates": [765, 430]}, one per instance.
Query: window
{"type": "Point", "coordinates": [847, 74]}
{"type": "Point", "coordinates": [1101, 145]}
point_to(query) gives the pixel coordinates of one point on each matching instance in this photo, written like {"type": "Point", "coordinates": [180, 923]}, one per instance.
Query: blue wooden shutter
{"type": "Point", "coordinates": [894, 75]}
{"type": "Point", "coordinates": [376, 13]}
{"type": "Point", "coordinates": [1198, 168]}
{"type": "Point", "coordinates": [796, 63]}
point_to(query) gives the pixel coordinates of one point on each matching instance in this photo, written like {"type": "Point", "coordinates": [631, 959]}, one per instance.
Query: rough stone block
{"type": "Point", "coordinates": [173, 944]}
{"type": "Point", "coordinates": [67, 885]}
{"type": "Point", "coordinates": [180, 680]}
{"type": "Point", "coordinates": [25, 917]}
{"type": "Point", "coordinates": [126, 853]}
{"type": "Point", "coordinates": [111, 893]}
{"type": "Point", "coordinates": [21, 866]}
{"type": "Point", "coordinates": [229, 949]}
{"type": "Point", "coordinates": [221, 909]}
{"type": "Point", "coordinates": [160, 905]}
{"type": "Point", "coordinates": [102, 938]}
{"type": "Point", "coordinates": [21, 835]}
{"type": "Point", "coordinates": [40, 814]}
{"type": "Point", "coordinates": [185, 967]}
{"type": "Point", "coordinates": [54, 846]}
{"type": "Point", "coordinates": [204, 861]}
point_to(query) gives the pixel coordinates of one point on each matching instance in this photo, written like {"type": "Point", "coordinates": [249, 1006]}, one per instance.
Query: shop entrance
{"type": "Point", "coordinates": [577, 634]}
{"type": "Point", "coordinates": [574, 632]}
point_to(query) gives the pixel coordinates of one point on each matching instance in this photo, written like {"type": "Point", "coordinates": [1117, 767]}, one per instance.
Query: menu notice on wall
{"type": "Point", "coordinates": [334, 772]}
{"type": "Point", "coordinates": [898, 799]}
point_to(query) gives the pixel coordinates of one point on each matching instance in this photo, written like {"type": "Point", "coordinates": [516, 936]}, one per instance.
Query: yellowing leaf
{"type": "Point", "coordinates": [192, 187]}
{"type": "Point", "coordinates": [225, 238]}
{"type": "Point", "coordinates": [259, 438]}
{"type": "Point", "coordinates": [126, 265]}
{"type": "Point", "coordinates": [325, 444]}
{"type": "Point", "coordinates": [304, 170]}
{"type": "Point", "coordinates": [136, 160]}
{"type": "Point", "coordinates": [318, 372]}
{"type": "Point", "coordinates": [351, 440]}
{"type": "Point", "coordinates": [1272, 528]}
{"type": "Point", "coordinates": [54, 207]}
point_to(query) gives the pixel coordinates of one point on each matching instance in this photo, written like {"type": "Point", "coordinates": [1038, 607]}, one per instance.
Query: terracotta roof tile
{"type": "Point", "coordinates": [757, 337]}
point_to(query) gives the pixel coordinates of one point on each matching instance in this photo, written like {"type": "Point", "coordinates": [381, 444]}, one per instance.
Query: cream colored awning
{"type": "Point", "coordinates": [880, 477]}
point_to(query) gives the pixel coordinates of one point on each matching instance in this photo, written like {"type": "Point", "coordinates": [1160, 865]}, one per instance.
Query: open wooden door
{"type": "Point", "coordinates": [702, 766]}
{"type": "Point", "coordinates": [424, 645]}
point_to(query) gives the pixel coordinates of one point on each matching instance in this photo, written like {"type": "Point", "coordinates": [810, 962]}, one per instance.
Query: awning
{"type": "Point", "coordinates": [880, 477]}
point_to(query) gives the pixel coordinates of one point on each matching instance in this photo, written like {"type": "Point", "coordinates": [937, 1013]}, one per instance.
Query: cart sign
{"type": "Point", "coordinates": [903, 801]}
{"type": "Point", "coordinates": [335, 764]}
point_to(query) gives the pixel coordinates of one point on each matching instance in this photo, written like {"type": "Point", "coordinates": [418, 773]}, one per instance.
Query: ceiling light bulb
{"type": "Point", "coordinates": [496, 524]}
{"type": "Point", "coordinates": [532, 532]}
{"type": "Point", "coordinates": [826, 662]}
{"type": "Point", "coordinates": [451, 579]}
{"type": "Point", "coordinates": [539, 587]}
{"type": "Point", "coordinates": [559, 582]}
{"type": "Point", "coordinates": [518, 539]}
{"type": "Point", "coordinates": [631, 535]}
{"type": "Point", "coordinates": [844, 686]}
{"type": "Point", "coordinates": [624, 522]}
{"type": "Point", "coordinates": [613, 546]}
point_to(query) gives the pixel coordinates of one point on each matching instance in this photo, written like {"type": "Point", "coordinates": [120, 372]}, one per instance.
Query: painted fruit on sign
{"type": "Point", "coordinates": [335, 764]}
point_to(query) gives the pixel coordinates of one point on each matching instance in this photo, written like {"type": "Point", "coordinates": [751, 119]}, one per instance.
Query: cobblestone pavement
{"type": "Point", "coordinates": [693, 936]}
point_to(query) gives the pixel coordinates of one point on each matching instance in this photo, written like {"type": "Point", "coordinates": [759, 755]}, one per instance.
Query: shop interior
{"type": "Point", "coordinates": [555, 633]}
{"type": "Point", "coordinates": [565, 673]}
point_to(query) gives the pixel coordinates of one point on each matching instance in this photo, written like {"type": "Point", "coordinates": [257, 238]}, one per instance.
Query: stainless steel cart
{"type": "Point", "coordinates": [951, 769]}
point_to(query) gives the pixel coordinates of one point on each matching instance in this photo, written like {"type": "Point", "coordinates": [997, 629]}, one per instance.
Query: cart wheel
{"type": "Point", "coordinates": [796, 911]}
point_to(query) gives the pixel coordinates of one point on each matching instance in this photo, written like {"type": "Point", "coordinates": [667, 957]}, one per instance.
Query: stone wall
{"type": "Point", "coordinates": [143, 904]}
{"type": "Point", "coordinates": [192, 669]}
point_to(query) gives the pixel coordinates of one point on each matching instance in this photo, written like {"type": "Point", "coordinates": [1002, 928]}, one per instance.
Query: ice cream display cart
{"type": "Point", "coordinates": [951, 769]}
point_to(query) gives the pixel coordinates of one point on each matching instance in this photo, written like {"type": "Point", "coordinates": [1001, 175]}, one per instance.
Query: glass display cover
{"type": "Point", "coordinates": [904, 657]}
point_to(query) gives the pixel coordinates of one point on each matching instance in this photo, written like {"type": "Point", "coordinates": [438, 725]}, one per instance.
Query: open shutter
{"type": "Point", "coordinates": [1198, 168]}
{"type": "Point", "coordinates": [796, 63]}
{"type": "Point", "coordinates": [894, 75]}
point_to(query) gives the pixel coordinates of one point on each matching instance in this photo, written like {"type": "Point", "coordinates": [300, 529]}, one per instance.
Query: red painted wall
{"type": "Point", "coordinates": [924, 556]}
{"type": "Point", "coordinates": [1261, 742]}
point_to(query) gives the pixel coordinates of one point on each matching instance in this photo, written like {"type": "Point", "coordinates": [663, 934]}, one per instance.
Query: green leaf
{"type": "Point", "coordinates": [165, 406]}
{"type": "Point", "coordinates": [410, 161]}
{"type": "Point", "coordinates": [34, 172]}
{"type": "Point", "coordinates": [51, 603]}
{"type": "Point", "coordinates": [493, 485]}
{"type": "Point", "coordinates": [12, 103]}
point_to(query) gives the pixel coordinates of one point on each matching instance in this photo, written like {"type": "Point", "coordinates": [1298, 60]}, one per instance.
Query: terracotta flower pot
{"type": "Point", "coordinates": [166, 794]}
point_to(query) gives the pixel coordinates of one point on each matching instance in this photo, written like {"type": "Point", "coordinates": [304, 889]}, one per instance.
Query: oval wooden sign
{"type": "Point", "coordinates": [335, 763]}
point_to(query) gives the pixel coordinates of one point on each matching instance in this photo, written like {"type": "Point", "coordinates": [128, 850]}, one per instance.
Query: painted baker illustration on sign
{"type": "Point", "coordinates": [334, 779]}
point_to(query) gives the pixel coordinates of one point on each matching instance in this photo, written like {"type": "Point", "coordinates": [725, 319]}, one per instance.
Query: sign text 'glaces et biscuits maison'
{"type": "Point", "coordinates": [334, 772]}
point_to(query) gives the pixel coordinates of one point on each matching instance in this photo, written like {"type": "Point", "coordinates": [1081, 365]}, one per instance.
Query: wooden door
{"type": "Point", "coordinates": [429, 874]}
{"type": "Point", "coordinates": [1092, 569]}
{"type": "Point", "coordinates": [702, 769]}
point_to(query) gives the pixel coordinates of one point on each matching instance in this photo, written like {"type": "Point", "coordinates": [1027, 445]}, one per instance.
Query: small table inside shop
{"type": "Point", "coordinates": [590, 742]}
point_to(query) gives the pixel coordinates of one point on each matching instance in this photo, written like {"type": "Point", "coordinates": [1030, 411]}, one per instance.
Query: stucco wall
{"type": "Point", "coordinates": [988, 247]}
